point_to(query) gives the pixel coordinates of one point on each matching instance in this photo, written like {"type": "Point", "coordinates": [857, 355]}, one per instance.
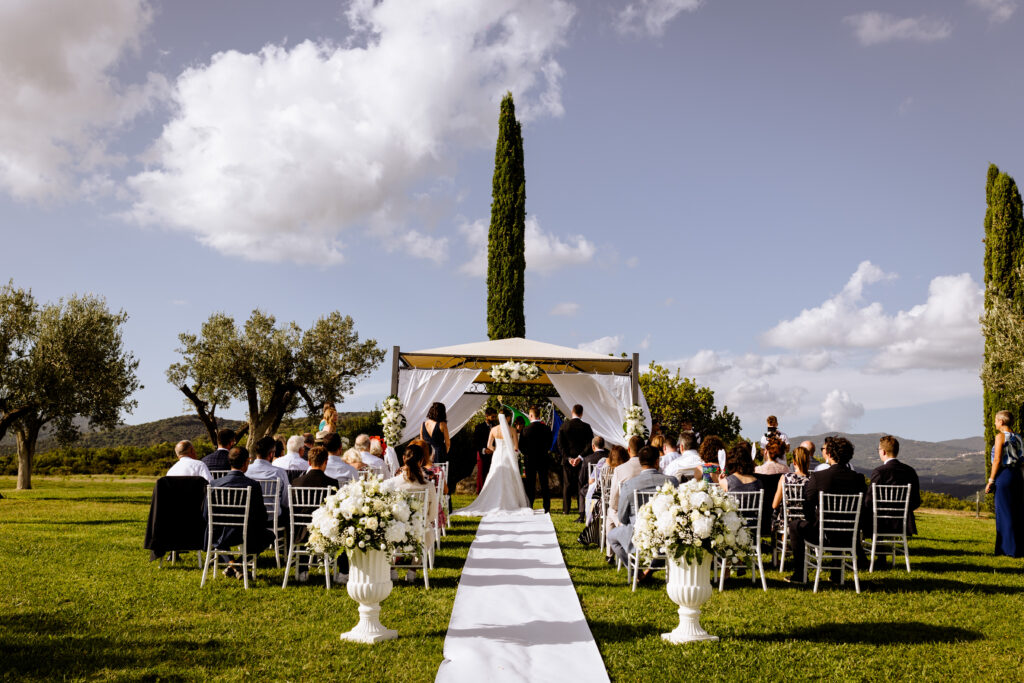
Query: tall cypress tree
{"type": "Point", "coordinates": [1004, 253]}
{"type": "Point", "coordinates": [506, 242]}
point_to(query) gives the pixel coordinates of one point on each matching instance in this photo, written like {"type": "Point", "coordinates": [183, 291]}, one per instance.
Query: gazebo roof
{"type": "Point", "coordinates": [548, 357]}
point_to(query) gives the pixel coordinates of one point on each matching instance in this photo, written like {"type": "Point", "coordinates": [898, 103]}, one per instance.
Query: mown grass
{"type": "Point", "coordinates": [80, 600]}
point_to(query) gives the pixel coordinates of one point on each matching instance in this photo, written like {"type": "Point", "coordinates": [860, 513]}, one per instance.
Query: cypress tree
{"type": "Point", "coordinates": [506, 240]}
{"type": "Point", "coordinates": [1004, 253]}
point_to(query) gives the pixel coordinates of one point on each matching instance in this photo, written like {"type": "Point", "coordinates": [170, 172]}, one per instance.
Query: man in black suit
{"type": "Point", "coordinates": [838, 478]}
{"type": "Point", "coordinates": [218, 460]}
{"type": "Point", "coordinates": [895, 473]}
{"type": "Point", "coordinates": [535, 444]}
{"type": "Point", "coordinates": [481, 435]}
{"type": "Point", "coordinates": [597, 452]}
{"type": "Point", "coordinates": [259, 537]}
{"type": "Point", "coordinates": [574, 440]}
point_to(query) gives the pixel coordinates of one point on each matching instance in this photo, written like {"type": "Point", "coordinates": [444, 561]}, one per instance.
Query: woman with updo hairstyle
{"type": "Point", "coordinates": [740, 467]}
{"type": "Point", "coordinates": [801, 468]}
{"type": "Point", "coordinates": [434, 431]}
{"type": "Point", "coordinates": [774, 457]}
{"type": "Point", "coordinates": [330, 421]}
{"type": "Point", "coordinates": [710, 471]}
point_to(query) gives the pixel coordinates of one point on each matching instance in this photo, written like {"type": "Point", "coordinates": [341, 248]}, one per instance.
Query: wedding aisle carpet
{"type": "Point", "coordinates": [516, 616]}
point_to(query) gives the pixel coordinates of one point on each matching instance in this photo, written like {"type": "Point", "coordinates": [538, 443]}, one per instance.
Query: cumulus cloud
{"type": "Point", "coordinates": [652, 16]}
{"type": "Point", "coordinates": [998, 10]}
{"type": "Point", "coordinates": [277, 154]}
{"type": "Point", "coordinates": [545, 253]}
{"type": "Point", "coordinates": [702, 364]}
{"type": "Point", "coordinates": [942, 333]}
{"type": "Point", "coordinates": [755, 365]}
{"type": "Point", "coordinates": [873, 28]}
{"type": "Point", "coordinates": [757, 396]}
{"type": "Point", "coordinates": [61, 102]}
{"type": "Point", "coordinates": [839, 411]}
{"type": "Point", "coordinates": [812, 361]}
{"type": "Point", "coordinates": [603, 345]}
{"type": "Point", "coordinates": [567, 308]}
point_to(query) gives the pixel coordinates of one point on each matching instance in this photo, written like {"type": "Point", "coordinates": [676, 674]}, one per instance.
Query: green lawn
{"type": "Point", "coordinates": [81, 600]}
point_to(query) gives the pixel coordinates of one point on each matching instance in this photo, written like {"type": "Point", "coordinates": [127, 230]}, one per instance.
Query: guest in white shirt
{"type": "Point", "coordinates": [188, 465]}
{"type": "Point", "coordinates": [262, 468]}
{"type": "Point", "coordinates": [292, 460]}
{"type": "Point", "coordinates": [682, 467]}
{"type": "Point", "coordinates": [336, 467]}
{"type": "Point", "coordinates": [375, 462]}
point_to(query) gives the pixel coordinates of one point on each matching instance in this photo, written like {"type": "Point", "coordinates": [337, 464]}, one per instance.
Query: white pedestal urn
{"type": "Point", "coordinates": [689, 586]}
{"type": "Point", "coordinates": [369, 582]}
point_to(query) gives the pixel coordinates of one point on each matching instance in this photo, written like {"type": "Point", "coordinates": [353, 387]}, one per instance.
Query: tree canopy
{"type": "Point", "coordinates": [675, 400]}
{"type": "Point", "coordinates": [272, 369]}
{"type": "Point", "coordinates": [61, 364]}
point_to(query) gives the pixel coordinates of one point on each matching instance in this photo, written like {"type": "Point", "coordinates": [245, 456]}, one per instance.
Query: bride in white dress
{"type": "Point", "coordinates": [503, 490]}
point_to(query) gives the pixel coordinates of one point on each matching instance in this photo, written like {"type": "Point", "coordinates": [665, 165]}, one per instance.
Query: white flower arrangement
{"type": "Point", "coordinates": [364, 515]}
{"type": "Point", "coordinates": [633, 424]}
{"type": "Point", "coordinates": [392, 420]}
{"type": "Point", "coordinates": [687, 521]}
{"type": "Point", "coordinates": [514, 371]}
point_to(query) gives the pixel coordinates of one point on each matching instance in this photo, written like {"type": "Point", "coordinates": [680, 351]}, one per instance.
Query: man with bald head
{"type": "Point", "coordinates": [809, 445]}
{"type": "Point", "coordinates": [188, 465]}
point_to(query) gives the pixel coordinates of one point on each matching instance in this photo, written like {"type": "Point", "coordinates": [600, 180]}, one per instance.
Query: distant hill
{"type": "Point", "coordinates": [956, 467]}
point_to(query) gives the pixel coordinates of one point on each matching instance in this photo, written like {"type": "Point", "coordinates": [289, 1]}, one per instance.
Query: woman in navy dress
{"type": "Point", "coordinates": [434, 431]}
{"type": "Point", "coordinates": [1008, 483]}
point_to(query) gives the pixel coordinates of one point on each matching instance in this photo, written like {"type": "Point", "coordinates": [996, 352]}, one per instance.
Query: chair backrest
{"type": "Point", "coordinates": [591, 468]}
{"type": "Point", "coordinates": [228, 507]}
{"type": "Point", "coordinates": [217, 474]}
{"type": "Point", "coordinates": [271, 499]}
{"type": "Point", "coordinates": [303, 501]}
{"type": "Point", "coordinates": [422, 496]}
{"type": "Point", "coordinates": [890, 503]}
{"type": "Point", "coordinates": [368, 473]}
{"type": "Point", "coordinates": [839, 516]}
{"type": "Point", "coordinates": [748, 504]}
{"type": "Point", "coordinates": [293, 474]}
{"type": "Point", "coordinates": [793, 501]}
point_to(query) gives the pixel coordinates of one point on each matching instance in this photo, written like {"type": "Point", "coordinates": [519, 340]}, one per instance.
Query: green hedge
{"type": "Point", "coordinates": [142, 460]}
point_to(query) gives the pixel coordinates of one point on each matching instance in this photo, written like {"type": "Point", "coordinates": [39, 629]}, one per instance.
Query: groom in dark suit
{"type": "Point", "coordinates": [574, 439]}
{"type": "Point", "coordinates": [535, 444]}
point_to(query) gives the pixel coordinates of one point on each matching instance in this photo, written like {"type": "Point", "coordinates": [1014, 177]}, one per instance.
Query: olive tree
{"type": "Point", "coordinates": [272, 369]}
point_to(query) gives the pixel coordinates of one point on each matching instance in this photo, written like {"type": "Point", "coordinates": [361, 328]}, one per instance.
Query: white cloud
{"type": "Point", "coordinates": [632, 261]}
{"type": "Point", "coordinates": [702, 364]}
{"type": "Point", "coordinates": [652, 16]}
{"type": "Point", "coordinates": [998, 10]}
{"type": "Point", "coordinates": [545, 253]}
{"type": "Point", "coordinates": [754, 397]}
{"type": "Point", "coordinates": [275, 155]}
{"type": "Point", "coordinates": [812, 361]}
{"type": "Point", "coordinates": [646, 343]}
{"type": "Point", "coordinates": [602, 345]}
{"type": "Point", "coordinates": [61, 102]}
{"type": "Point", "coordinates": [755, 365]}
{"type": "Point", "coordinates": [567, 308]}
{"type": "Point", "coordinates": [873, 28]}
{"type": "Point", "coordinates": [839, 411]}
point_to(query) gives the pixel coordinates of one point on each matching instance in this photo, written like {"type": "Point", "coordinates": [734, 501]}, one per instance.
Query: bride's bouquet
{"type": "Point", "coordinates": [513, 371]}
{"type": "Point", "coordinates": [364, 515]}
{"type": "Point", "coordinates": [685, 522]}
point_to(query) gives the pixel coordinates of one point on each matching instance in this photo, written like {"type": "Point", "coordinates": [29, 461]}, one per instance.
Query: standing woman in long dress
{"type": "Point", "coordinates": [434, 431]}
{"type": "Point", "coordinates": [496, 433]}
{"type": "Point", "coordinates": [1008, 483]}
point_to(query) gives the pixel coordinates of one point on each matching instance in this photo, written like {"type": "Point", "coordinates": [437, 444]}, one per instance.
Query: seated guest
{"type": "Point", "coordinates": [278, 449]}
{"type": "Point", "coordinates": [413, 477]}
{"type": "Point", "coordinates": [815, 464]}
{"type": "Point", "coordinates": [292, 460]}
{"type": "Point", "coordinates": [337, 468]}
{"type": "Point", "coordinates": [218, 460]}
{"type": "Point", "coordinates": [774, 457]}
{"type": "Point", "coordinates": [839, 478]}
{"type": "Point", "coordinates": [261, 468]}
{"type": "Point", "coordinates": [593, 458]}
{"type": "Point", "coordinates": [740, 467]}
{"type": "Point", "coordinates": [187, 465]}
{"type": "Point", "coordinates": [375, 462]}
{"type": "Point", "coordinates": [893, 472]}
{"type": "Point", "coordinates": [315, 475]}
{"type": "Point", "coordinates": [621, 537]}
{"type": "Point", "coordinates": [669, 450]}
{"type": "Point", "coordinates": [622, 474]}
{"type": "Point", "coordinates": [259, 537]}
{"type": "Point", "coordinates": [685, 464]}
{"type": "Point", "coordinates": [617, 455]}
{"type": "Point", "coordinates": [801, 465]}
{"type": "Point", "coordinates": [308, 441]}
{"type": "Point", "coordinates": [352, 457]}
{"type": "Point", "coordinates": [710, 469]}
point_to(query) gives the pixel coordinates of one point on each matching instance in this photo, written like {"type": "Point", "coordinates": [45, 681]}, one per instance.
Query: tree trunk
{"type": "Point", "coordinates": [208, 418]}
{"type": "Point", "coordinates": [26, 437]}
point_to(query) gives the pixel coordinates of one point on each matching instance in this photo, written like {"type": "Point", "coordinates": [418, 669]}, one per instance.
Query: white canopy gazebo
{"type": "Point", "coordinates": [605, 386]}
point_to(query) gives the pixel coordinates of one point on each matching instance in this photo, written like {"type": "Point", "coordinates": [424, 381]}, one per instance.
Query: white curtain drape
{"type": "Point", "coordinates": [605, 399]}
{"type": "Point", "coordinates": [464, 409]}
{"type": "Point", "coordinates": [419, 388]}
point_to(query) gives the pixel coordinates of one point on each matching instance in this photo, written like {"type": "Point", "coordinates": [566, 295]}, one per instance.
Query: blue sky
{"type": "Point", "coordinates": [784, 200]}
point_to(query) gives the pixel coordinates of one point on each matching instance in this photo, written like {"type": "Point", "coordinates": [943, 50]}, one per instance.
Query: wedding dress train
{"type": "Point", "coordinates": [503, 490]}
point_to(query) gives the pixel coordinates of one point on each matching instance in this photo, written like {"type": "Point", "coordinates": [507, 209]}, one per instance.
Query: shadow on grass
{"type": "Point", "coordinates": [871, 633]}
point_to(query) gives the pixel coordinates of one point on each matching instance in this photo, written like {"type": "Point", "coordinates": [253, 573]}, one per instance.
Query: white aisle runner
{"type": "Point", "coordinates": [516, 616]}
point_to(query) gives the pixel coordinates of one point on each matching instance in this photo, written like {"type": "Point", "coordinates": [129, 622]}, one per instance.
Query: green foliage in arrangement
{"type": "Point", "coordinates": [60, 364]}
{"type": "Point", "coordinates": [270, 368]}
{"type": "Point", "coordinates": [506, 239]}
{"type": "Point", "coordinates": [675, 400]}
{"type": "Point", "coordinates": [1004, 303]}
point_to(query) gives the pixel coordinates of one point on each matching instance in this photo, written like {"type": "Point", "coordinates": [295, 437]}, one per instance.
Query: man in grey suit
{"type": "Point", "coordinates": [621, 537]}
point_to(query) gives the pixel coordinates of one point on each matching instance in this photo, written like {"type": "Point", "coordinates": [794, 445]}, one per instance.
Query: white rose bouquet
{"type": "Point", "coordinates": [513, 371]}
{"type": "Point", "coordinates": [685, 522]}
{"type": "Point", "coordinates": [392, 420]}
{"type": "Point", "coordinates": [364, 515]}
{"type": "Point", "coordinates": [633, 424]}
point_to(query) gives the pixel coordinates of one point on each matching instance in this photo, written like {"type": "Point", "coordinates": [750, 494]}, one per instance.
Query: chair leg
{"type": "Point", "coordinates": [853, 567]}
{"type": "Point", "coordinates": [906, 554]}
{"type": "Point", "coordinates": [782, 553]}
{"type": "Point", "coordinates": [245, 572]}
{"type": "Point", "coordinates": [721, 575]}
{"type": "Point", "coordinates": [288, 565]}
{"type": "Point", "coordinates": [206, 568]}
{"type": "Point", "coordinates": [426, 579]}
{"type": "Point", "coordinates": [871, 566]}
{"type": "Point", "coordinates": [760, 568]}
{"type": "Point", "coordinates": [817, 571]}
{"type": "Point", "coordinates": [327, 571]}
{"type": "Point", "coordinates": [277, 553]}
